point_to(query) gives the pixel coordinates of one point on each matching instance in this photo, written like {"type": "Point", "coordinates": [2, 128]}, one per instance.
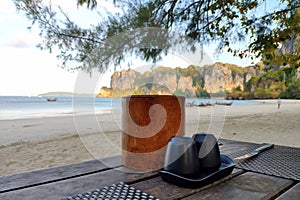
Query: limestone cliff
{"type": "Point", "coordinates": [222, 77]}
{"type": "Point", "coordinates": [124, 79]}
{"type": "Point", "coordinates": [164, 80]}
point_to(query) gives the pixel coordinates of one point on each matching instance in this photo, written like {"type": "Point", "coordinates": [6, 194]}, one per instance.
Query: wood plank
{"type": "Point", "coordinates": [291, 194]}
{"type": "Point", "coordinates": [27, 179]}
{"type": "Point", "coordinates": [78, 185]}
{"type": "Point", "coordinates": [163, 190]}
{"type": "Point", "coordinates": [247, 186]}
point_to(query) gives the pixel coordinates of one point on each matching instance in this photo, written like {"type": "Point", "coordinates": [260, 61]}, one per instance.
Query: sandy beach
{"type": "Point", "coordinates": [30, 144]}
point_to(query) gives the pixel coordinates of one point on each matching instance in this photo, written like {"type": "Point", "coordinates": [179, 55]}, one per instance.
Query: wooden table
{"type": "Point", "coordinates": [70, 180]}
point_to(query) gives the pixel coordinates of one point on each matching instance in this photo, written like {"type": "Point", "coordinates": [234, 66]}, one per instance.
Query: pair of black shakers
{"type": "Point", "coordinates": [196, 161]}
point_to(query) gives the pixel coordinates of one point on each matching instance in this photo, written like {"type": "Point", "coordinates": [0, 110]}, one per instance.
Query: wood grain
{"type": "Point", "coordinates": [28, 179]}
{"type": "Point", "coordinates": [163, 190]}
{"type": "Point", "coordinates": [291, 194]}
{"type": "Point", "coordinates": [70, 187]}
{"type": "Point", "coordinates": [143, 144]}
{"type": "Point", "coordinates": [247, 186]}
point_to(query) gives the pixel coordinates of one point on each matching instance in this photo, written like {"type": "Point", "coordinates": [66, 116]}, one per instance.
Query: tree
{"type": "Point", "coordinates": [289, 40]}
{"type": "Point", "coordinates": [293, 90]}
{"type": "Point", "coordinates": [225, 22]}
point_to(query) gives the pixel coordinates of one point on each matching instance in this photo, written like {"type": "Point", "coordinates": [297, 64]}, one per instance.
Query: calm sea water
{"type": "Point", "coordinates": [16, 107]}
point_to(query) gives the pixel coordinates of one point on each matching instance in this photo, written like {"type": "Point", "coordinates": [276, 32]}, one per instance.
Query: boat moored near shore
{"type": "Point", "coordinates": [51, 99]}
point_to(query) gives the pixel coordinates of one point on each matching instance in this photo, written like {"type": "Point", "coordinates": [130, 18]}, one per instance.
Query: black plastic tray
{"type": "Point", "coordinates": [205, 178]}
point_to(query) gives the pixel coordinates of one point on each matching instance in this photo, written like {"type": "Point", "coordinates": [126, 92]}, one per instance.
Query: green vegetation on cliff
{"type": "Point", "coordinates": [293, 90]}
{"type": "Point", "coordinates": [194, 72]}
{"type": "Point", "coordinates": [272, 84]}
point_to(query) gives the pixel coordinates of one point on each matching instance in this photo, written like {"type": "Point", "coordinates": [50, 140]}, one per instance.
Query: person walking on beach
{"type": "Point", "coordinates": [278, 103]}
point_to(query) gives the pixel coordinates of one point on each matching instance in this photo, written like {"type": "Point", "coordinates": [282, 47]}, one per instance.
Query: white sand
{"type": "Point", "coordinates": [29, 144]}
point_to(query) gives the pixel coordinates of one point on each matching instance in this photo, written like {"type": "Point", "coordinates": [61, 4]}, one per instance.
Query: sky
{"type": "Point", "coordinates": [25, 70]}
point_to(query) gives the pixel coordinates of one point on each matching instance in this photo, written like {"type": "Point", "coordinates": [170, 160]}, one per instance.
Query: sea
{"type": "Point", "coordinates": [22, 107]}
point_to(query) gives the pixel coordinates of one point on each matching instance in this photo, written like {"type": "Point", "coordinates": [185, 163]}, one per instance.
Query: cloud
{"type": "Point", "coordinates": [18, 43]}
{"type": "Point", "coordinates": [23, 39]}
{"type": "Point", "coordinates": [31, 71]}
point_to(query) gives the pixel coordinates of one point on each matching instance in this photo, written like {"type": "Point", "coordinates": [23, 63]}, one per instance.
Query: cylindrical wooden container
{"type": "Point", "coordinates": [148, 123]}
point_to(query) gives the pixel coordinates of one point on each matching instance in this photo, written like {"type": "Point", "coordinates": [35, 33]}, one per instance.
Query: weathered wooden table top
{"type": "Point", "coordinates": [70, 180]}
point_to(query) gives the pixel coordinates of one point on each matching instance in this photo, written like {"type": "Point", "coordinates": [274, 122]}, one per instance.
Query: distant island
{"type": "Point", "coordinates": [64, 94]}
